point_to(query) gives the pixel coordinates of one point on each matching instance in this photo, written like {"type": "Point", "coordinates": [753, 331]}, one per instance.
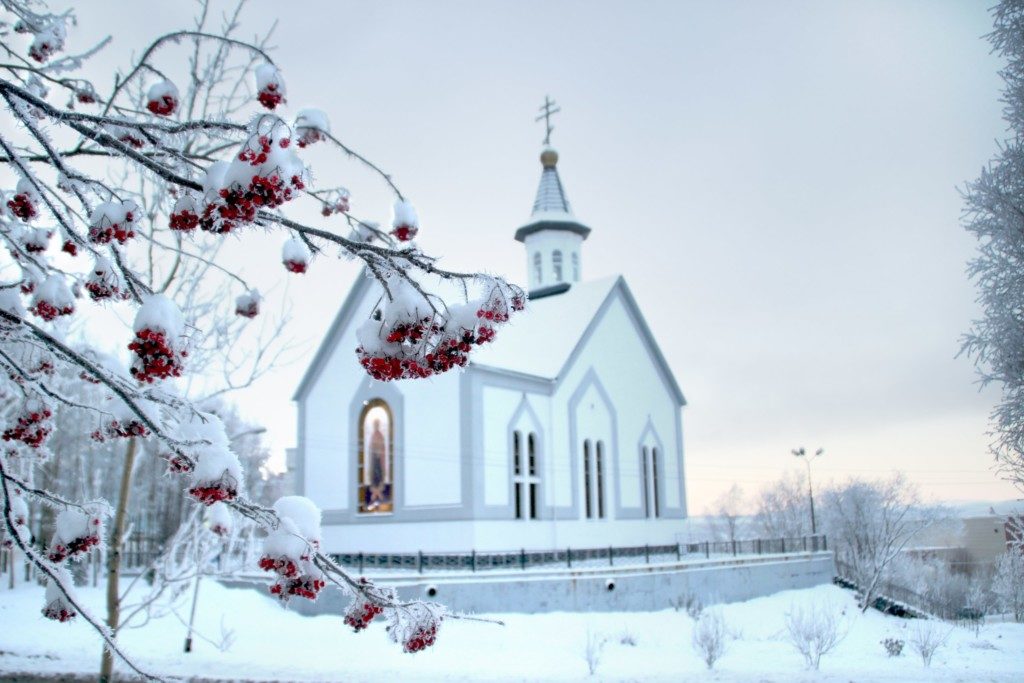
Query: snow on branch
{"type": "Point", "coordinates": [204, 148]}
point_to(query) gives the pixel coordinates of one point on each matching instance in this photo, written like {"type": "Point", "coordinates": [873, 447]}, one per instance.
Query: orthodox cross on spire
{"type": "Point", "coordinates": [548, 109]}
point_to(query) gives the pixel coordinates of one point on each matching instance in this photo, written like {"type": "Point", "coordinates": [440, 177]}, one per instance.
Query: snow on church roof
{"type": "Point", "coordinates": [540, 340]}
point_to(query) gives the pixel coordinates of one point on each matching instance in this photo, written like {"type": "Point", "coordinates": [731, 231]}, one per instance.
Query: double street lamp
{"type": "Point", "coordinates": [801, 453]}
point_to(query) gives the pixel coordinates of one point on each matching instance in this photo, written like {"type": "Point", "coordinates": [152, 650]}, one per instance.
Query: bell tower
{"type": "Point", "coordinates": [553, 238]}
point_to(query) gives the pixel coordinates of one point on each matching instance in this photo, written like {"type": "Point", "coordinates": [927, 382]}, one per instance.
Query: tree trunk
{"type": "Point", "coordinates": [114, 560]}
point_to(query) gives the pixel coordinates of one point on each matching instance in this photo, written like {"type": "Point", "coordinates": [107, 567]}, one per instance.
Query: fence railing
{"type": "Point", "coordinates": [473, 560]}
{"type": "Point", "coordinates": [915, 601]}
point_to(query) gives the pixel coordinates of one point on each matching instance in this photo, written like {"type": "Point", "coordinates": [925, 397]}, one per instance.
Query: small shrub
{"type": "Point", "coordinates": [592, 651]}
{"type": "Point", "coordinates": [814, 632]}
{"type": "Point", "coordinates": [893, 646]}
{"type": "Point", "coordinates": [926, 638]}
{"type": "Point", "coordinates": [709, 637]}
{"type": "Point", "coordinates": [691, 603]}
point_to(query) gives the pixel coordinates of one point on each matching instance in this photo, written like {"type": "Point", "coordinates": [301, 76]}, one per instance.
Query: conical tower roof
{"type": "Point", "coordinates": [551, 209]}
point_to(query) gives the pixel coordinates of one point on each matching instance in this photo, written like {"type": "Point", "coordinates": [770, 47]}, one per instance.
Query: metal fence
{"type": "Point", "coordinates": [577, 557]}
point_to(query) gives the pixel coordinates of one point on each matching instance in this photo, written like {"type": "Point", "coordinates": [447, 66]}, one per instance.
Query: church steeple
{"type": "Point", "coordinates": [553, 237]}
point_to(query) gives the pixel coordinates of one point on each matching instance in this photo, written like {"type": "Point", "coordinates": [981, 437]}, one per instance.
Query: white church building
{"type": "Point", "coordinates": [547, 440]}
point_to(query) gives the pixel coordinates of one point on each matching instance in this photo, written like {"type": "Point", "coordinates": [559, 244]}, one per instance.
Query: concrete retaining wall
{"type": "Point", "coordinates": [618, 589]}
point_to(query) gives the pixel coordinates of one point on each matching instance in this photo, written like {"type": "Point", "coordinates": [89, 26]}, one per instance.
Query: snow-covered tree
{"type": "Point", "coordinates": [868, 524]}
{"type": "Point", "coordinates": [994, 213]}
{"type": "Point", "coordinates": [782, 507]}
{"type": "Point", "coordinates": [725, 517]}
{"type": "Point", "coordinates": [191, 167]}
{"type": "Point", "coordinates": [1008, 579]}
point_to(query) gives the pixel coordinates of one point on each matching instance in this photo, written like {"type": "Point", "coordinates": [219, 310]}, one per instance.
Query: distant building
{"type": "Point", "coordinates": [566, 431]}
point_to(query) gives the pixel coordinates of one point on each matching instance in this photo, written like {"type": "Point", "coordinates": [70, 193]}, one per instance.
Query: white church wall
{"type": "Point", "coordinates": [432, 456]}
{"type": "Point", "coordinates": [498, 406]}
{"type": "Point", "coordinates": [404, 537]}
{"type": "Point", "coordinates": [326, 422]}
{"type": "Point", "coordinates": [617, 358]}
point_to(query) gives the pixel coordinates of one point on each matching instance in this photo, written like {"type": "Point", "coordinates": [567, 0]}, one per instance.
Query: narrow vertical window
{"type": "Point", "coordinates": [556, 262]}
{"type": "Point", "coordinates": [654, 481]}
{"type": "Point", "coordinates": [575, 267]}
{"type": "Point", "coordinates": [517, 453]}
{"type": "Point", "coordinates": [517, 471]}
{"type": "Point", "coordinates": [538, 270]}
{"type": "Point", "coordinates": [533, 500]}
{"type": "Point", "coordinates": [586, 478]}
{"type": "Point", "coordinates": [643, 481]}
{"type": "Point", "coordinates": [531, 449]}
{"type": "Point", "coordinates": [599, 457]}
{"type": "Point", "coordinates": [375, 466]}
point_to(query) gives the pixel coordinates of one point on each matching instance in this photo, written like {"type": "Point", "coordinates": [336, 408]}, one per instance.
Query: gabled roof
{"type": "Point", "coordinates": [334, 333]}
{"type": "Point", "coordinates": [540, 343]}
{"type": "Point", "coordinates": [543, 341]}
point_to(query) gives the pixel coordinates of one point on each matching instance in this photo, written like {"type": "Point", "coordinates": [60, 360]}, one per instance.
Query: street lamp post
{"type": "Point", "coordinates": [801, 453]}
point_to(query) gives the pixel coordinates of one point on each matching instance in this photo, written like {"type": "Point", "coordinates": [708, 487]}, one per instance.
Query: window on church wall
{"type": "Point", "coordinates": [525, 480]}
{"type": "Point", "coordinates": [575, 267]}
{"type": "Point", "coordinates": [556, 262]}
{"type": "Point", "coordinates": [654, 482]}
{"type": "Point", "coordinates": [599, 466]}
{"type": "Point", "coordinates": [538, 270]}
{"type": "Point", "coordinates": [586, 479]}
{"type": "Point", "coordinates": [643, 481]}
{"type": "Point", "coordinates": [376, 458]}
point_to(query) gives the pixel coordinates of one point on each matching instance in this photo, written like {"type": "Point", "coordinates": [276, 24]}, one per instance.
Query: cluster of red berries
{"type": "Point", "coordinates": [219, 491]}
{"type": "Point", "coordinates": [177, 463]}
{"type": "Point", "coordinates": [101, 287]}
{"type": "Point", "coordinates": [88, 377]}
{"type": "Point", "coordinates": [36, 241]}
{"type": "Point", "coordinates": [42, 50]}
{"type": "Point", "coordinates": [131, 139]}
{"type": "Point", "coordinates": [184, 220]}
{"type": "Point", "coordinates": [79, 546]}
{"type": "Point", "coordinates": [404, 232]}
{"type": "Point", "coordinates": [22, 206]}
{"type": "Point", "coordinates": [85, 96]}
{"type": "Point", "coordinates": [220, 529]}
{"type": "Point", "coordinates": [309, 136]}
{"type": "Point", "coordinates": [270, 96]}
{"type": "Point", "coordinates": [422, 638]}
{"type": "Point", "coordinates": [105, 233]}
{"type": "Point", "coordinates": [70, 248]}
{"type": "Point", "coordinates": [291, 580]}
{"type": "Point", "coordinates": [303, 586]}
{"type": "Point", "coordinates": [58, 611]}
{"type": "Point", "coordinates": [338, 206]}
{"type": "Point", "coordinates": [47, 311]}
{"type": "Point", "coordinates": [279, 565]}
{"type": "Point", "coordinates": [239, 205]}
{"type": "Point", "coordinates": [295, 266]}
{"type": "Point", "coordinates": [115, 429]}
{"type": "Point", "coordinates": [163, 106]}
{"type": "Point", "coordinates": [154, 357]}
{"type": "Point", "coordinates": [360, 613]}
{"type": "Point", "coordinates": [31, 428]}
{"type": "Point", "coordinates": [247, 308]}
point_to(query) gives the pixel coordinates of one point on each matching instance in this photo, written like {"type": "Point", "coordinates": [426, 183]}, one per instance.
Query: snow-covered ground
{"type": "Point", "coordinates": [269, 643]}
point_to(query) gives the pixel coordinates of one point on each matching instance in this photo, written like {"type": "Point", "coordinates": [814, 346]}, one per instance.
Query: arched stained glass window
{"type": "Point", "coordinates": [556, 262]}
{"type": "Point", "coordinates": [376, 458]}
{"type": "Point", "coordinates": [538, 269]}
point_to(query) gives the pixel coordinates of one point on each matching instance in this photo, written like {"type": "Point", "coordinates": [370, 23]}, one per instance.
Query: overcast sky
{"type": "Point", "coordinates": [776, 181]}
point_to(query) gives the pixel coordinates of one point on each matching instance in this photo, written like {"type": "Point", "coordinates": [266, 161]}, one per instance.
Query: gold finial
{"type": "Point", "coordinates": [549, 157]}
